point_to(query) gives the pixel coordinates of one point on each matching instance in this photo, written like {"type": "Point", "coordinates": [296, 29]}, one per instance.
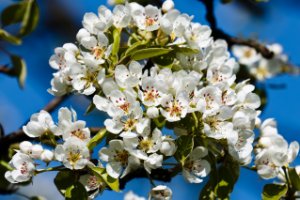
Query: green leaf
{"type": "Point", "coordinates": [274, 191]}
{"type": "Point", "coordinates": [90, 108]}
{"type": "Point", "coordinates": [97, 139]}
{"type": "Point", "coordinates": [222, 180]}
{"type": "Point", "coordinates": [186, 50]}
{"type": "Point", "coordinates": [134, 47]}
{"type": "Point", "coordinates": [149, 53]}
{"type": "Point", "coordinates": [4, 35]}
{"type": "Point", "coordinates": [228, 174]}
{"type": "Point", "coordinates": [185, 145]}
{"type": "Point", "coordinates": [116, 44]}
{"type": "Point", "coordinates": [19, 69]}
{"type": "Point", "coordinates": [294, 178]}
{"type": "Point", "coordinates": [111, 182]}
{"type": "Point", "coordinates": [76, 192]}
{"type": "Point", "coordinates": [207, 192]}
{"type": "Point", "coordinates": [30, 19]}
{"type": "Point", "coordinates": [64, 180]}
{"type": "Point", "coordinates": [13, 14]}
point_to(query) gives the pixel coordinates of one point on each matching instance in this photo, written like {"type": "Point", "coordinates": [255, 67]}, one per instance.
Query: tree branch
{"type": "Point", "coordinates": [220, 34]}
{"type": "Point", "coordinates": [19, 135]}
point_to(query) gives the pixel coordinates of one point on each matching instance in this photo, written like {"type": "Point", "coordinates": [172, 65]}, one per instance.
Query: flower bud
{"type": "Point", "coordinates": [47, 156]}
{"type": "Point", "coordinates": [25, 147]}
{"type": "Point", "coordinates": [36, 151]}
{"type": "Point", "coordinates": [167, 5]}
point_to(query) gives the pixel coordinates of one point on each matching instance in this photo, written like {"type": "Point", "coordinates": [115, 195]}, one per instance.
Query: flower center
{"type": "Point", "coordinates": [151, 94]}
{"type": "Point", "coordinates": [98, 52]}
{"type": "Point", "coordinates": [73, 157]}
{"type": "Point", "coordinates": [24, 169]}
{"type": "Point", "coordinates": [175, 108]}
{"type": "Point", "coordinates": [79, 134]}
{"type": "Point", "coordinates": [122, 157]}
{"type": "Point", "coordinates": [129, 124]}
{"type": "Point", "coordinates": [145, 144]}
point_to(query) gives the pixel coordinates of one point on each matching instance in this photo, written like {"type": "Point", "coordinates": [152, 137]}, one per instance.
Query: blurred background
{"type": "Point", "coordinates": [276, 21]}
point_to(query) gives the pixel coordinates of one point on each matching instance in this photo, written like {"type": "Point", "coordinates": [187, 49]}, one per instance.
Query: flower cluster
{"type": "Point", "coordinates": [272, 151]}
{"type": "Point", "coordinates": [258, 66]}
{"type": "Point", "coordinates": [151, 70]}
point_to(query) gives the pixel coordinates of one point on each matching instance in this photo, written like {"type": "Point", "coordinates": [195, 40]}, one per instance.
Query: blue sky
{"type": "Point", "coordinates": [281, 24]}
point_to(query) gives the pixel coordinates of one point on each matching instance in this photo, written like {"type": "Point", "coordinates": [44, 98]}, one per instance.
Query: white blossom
{"type": "Point", "coordinates": [195, 167]}
{"type": "Point", "coordinates": [74, 153]}
{"type": "Point", "coordinates": [23, 168]}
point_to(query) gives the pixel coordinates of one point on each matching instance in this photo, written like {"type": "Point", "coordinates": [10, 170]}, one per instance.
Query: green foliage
{"type": "Point", "coordinates": [76, 192]}
{"type": "Point", "coordinates": [294, 178]}
{"type": "Point", "coordinates": [102, 174]}
{"type": "Point", "coordinates": [97, 139]}
{"type": "Point", "coordinates": [185, 146]}
{"type": "Point", "coordinates": [149, 53]}
{"type": "Point", "coordinates": [274, 191]}
{"type": "Point", "coordinates": [222, 179]}
{"type": "Point", "coordinates": [18, 69]}
{"type": "Point", "coordinates": [4, 35]}
{"type": "Point", "coordinates": [116, 45]}
{"type": "Point", "coordinates": [24, 12]}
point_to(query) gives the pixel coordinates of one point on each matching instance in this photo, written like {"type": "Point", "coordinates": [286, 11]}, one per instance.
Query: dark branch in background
{"type": "Point", "coordinates": [4, 69]}
{"type": "Point", "coordinates": [220, 34]}
{"type": "Point", "coordinates": [19, 135]}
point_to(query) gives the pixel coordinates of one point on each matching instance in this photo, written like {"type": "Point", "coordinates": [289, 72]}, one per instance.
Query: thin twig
{"type": "Point", "coordinates": [220, 34]}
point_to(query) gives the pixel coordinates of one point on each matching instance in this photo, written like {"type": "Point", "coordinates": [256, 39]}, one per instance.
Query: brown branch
{"type": "Point", "coordinates": [4, 69]}
{"type": "Point", "coordinates": [19, 135]}
{"type": "Point", "coordinates": [220, 34]}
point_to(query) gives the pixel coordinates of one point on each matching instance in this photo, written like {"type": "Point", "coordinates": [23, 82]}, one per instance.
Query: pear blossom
{"type": "Point", "coordinates": [273, 151]}
{"type": "Point", "coordinates": [119, 161]}
{"type": "Point", "coordinates": [160, 192]}
{"type": "Point", "coordinates": [146, 18]}
{"type": "Point", "coordinates": [23, 168]}
{"type": "Point", "coordinates": [167, 5]}
{"type": "Point", "coordinates": [73, 153]}
{"type": "Point", "coordinates": [47, 155]}
{"type": "Point", "coordinates": [246, 55]}
{"type": "Point", "coordinates": [132, 196]}
{"type": "Point", "coordinates": [198, 36]}
{"type": "Point", "coordinates": [39, 124]}
{"type": "Point", "coordinates": [195, 168]}
{"type": "Point", "coordinates": [128, 77]}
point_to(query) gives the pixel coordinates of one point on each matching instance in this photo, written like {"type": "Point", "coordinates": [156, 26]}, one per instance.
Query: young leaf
{"type": "Point", "coordinates": [294, 178]}
{"type": "Point", "coordinates": [13, 14]}
{"type": "Point", "coordinates": [30, 19]}
{"type": "Point", "coordinates": [111, 182]}
{"type": "Point", "coordinates": [64, 180]}
{"type": "Point", "coordinates": [97, 139]}
{"type": "Point", "coordinates": [136, 46]}
{"type": "Point", "coordinates": [4, 35]}
{"type": "Point", "coordinates": [116, 44]}
{"type": "Point", "coordinates": [76, 192]}
{"type": "Point", "coordinates": [19, 69]}
{"type": "Point", "coordinates": [228, 174]}
{"type": "Point", "coordinates": [274, 191]}
{"type": "Point", "coordinates": [90, 108]}
{"type": "Point", "coordinates": [185, 145]}
{"type": "Point", "coordinates": [149, 53]}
